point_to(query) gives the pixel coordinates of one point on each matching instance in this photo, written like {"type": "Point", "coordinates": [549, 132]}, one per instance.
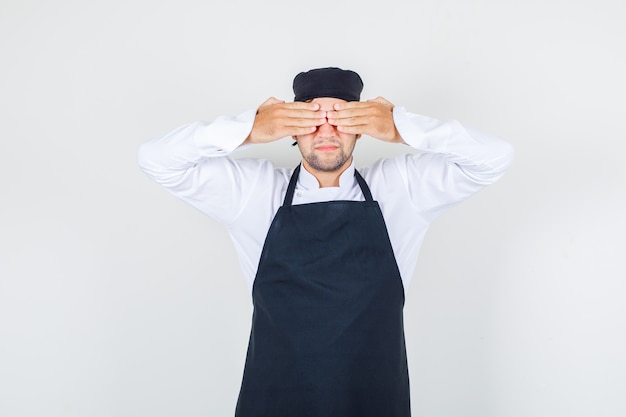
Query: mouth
{"type": "Point", "coordinates": [326, 147]}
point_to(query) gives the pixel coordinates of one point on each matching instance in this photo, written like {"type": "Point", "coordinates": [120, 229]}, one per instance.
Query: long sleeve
{"type": "Point", "coordinates": [191, 163]}
{"type": "Point", "coordinates": [454, 163]}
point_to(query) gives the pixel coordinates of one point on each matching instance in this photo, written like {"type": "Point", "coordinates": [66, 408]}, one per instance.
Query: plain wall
{"type": "Point", "coordinates": [116, 299]}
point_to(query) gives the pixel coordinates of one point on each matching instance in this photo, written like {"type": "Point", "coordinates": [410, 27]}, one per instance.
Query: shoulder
{"type": "Point", "coordinates": [254, 171]}
{"type": "Point", "coordinates": [398, 167]}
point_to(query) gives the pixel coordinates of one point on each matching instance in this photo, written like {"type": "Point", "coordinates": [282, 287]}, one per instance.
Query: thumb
{"type": "Point", "coordinates": [271, 100]}
{"type": "Point", "coordinates": [382, 101]}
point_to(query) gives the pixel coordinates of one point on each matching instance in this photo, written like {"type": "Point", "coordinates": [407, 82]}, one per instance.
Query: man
{"type": "Point", "coordinates": [328, 251]}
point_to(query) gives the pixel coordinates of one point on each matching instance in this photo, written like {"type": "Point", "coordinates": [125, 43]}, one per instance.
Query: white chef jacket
{"type": "Point", "coordinates": [193, 163]}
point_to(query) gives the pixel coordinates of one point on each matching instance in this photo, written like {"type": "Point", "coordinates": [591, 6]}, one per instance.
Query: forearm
{"type": "Point", "coordinates": [483, 158]}
{"type": "Point", "coordinates": [166, 159]}
{"type": "Point", "coordinates": [190, 162]}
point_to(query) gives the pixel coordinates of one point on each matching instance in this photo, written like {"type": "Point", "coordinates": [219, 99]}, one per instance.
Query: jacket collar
{"type": "Point", "coordinates": [309, 182]}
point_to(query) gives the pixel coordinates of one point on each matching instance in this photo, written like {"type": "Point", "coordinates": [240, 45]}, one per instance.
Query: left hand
{"type": "Point", "coordinates": [372, 117]}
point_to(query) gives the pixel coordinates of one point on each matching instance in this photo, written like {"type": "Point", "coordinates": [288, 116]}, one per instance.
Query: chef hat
{"type": "Point", "coordinates": [327, 82]}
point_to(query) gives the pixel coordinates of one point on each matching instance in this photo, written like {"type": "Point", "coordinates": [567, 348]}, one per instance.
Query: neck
{"type": "Point", "coordinates": [327, 178]}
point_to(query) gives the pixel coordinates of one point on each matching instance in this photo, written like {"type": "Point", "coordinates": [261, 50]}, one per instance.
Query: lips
{"type": "Point", "coordinates": [327, 147]}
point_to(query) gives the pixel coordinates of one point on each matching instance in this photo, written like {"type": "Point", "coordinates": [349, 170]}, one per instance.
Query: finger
{"type": "Point", "coordinates": [296, 131]}
{"type": "Point", "coordinates": [350, 105]}
{"type": "Point", "coordinates": [363, 129]}
{"type": "Point", "coordinates": [368, 111]}
{"type": "Point", "coordinates": [379, 128]}
{"type": "Point", "coordinates": [292, 105]}
{"type": "Point", "coordinates": [353, 130]}
{"type": "Point", "coordinates": [347, 114]}
{"type": "Point", "coordinates": [348, 121]}
{"type": "Point", "coordinates": [303, 105]}
{"type": "Point", "coordinates": [355, 108]}
{"type": "Point", "coordinates": [304, 122]}
{"type": "Point", "coordinates": [302, 114]}
{"type": "Point", "coordinates": [369, 104]}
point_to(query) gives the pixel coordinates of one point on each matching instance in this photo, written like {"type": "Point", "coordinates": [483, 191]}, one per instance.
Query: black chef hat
{"type": "Point", "coordinates": [327, 82]}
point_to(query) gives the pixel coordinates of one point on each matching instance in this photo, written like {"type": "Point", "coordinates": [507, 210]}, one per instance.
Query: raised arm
{"type": "Point", "coordinates": [192, 161]}
{"type": "Point", "coordinates": [455, 162]}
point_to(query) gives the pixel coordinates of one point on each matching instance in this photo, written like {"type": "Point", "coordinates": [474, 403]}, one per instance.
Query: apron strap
{"type": "Point", "coordinates": [291, 188]}
{"type": "Point", "coordinates": [364, 188]}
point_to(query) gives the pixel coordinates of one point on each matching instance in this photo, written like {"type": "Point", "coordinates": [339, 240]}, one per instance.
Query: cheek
{"type": "Point", "coordinates": [349, 140]}
{"type": "Point", "coordinates": [304, 139]}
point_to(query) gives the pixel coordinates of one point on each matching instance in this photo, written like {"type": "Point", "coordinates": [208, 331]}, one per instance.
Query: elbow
{"type": "Point", "coordinates": [143, 156]}
{"type": "Point", "coordinates": [507, 155]}
{"type": "Point", "coordinates": [491, 170]}
{"type": "Point", "coordinates": [146, 159]}
{"type": "Point", "coordinates": [502, 163]}
{"type": "Point", "coordinates": [153, 171]}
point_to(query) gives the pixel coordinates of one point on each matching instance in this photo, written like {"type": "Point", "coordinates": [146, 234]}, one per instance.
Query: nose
{"type": "Point", "coordinates": [326, 129]}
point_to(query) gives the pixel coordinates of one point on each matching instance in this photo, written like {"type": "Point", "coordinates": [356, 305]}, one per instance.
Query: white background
{"type": "Point", "coordinates": [116, 299]}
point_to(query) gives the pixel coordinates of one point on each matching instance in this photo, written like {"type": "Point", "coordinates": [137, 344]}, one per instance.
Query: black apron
{"type": "Point", "coordinates": [327, 335]}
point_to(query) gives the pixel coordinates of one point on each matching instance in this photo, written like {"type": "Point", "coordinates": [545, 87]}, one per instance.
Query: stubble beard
{"type": "Point", "coordinates": [327, 165]}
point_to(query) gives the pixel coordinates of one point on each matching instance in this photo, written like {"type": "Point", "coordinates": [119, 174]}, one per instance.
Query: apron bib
{"type": "Point", "coordinates": [327, 336]}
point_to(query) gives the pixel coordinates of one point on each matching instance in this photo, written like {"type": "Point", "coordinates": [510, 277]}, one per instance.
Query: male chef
{"type": "Point", "coordinates": [328, 250]}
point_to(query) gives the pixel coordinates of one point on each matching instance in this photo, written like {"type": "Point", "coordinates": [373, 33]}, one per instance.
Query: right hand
{"type": "Point", "coordinates": [276, 119]}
